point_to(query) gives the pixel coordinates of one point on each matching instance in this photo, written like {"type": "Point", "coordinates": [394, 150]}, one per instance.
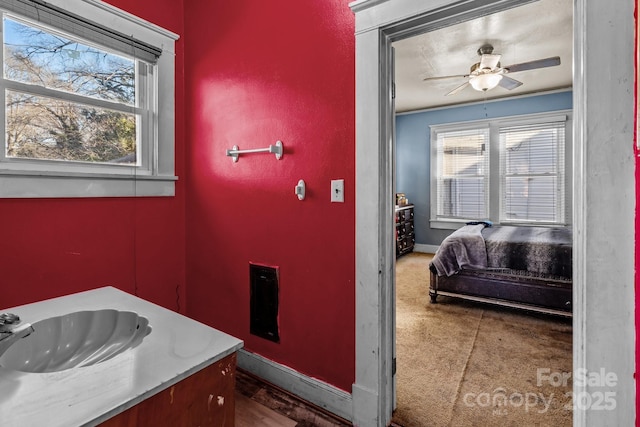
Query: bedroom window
{"type": "Point", "coordinates": [462, 173]}
{"type": "Point", "coordinates": [507, 170]}
{"type": "Point", "coordinates": [84, 114]}
{"type": "Point", "coordinates": [68, 101]}
{"type": "Point", "coordinates": [532, 173]}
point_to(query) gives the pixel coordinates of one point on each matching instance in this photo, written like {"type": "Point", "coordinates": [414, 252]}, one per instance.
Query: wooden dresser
{"type": "Point", "coordinates": [405, 235]}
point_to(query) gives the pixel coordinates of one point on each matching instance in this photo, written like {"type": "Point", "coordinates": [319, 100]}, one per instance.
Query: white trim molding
{"type": "Point", "coordinates": [310, 389]}
{"type": "Point", "coordinates": [604, 180]}
{"type": "Point", "coordinates": [135, 20]}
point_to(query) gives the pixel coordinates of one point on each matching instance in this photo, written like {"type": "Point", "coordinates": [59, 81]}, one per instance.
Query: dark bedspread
{"type": "Point", "coordinates": [464, 248]}
{"type": "Point", "coordinates": [538, 251]}
{"type": "Point", "coordinates": [541, 250]}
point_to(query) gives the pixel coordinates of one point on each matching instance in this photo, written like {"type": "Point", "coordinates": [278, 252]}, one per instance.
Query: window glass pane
{"type": "Point", "coordinates": [38, 127]}
{"type": "Point", "coordinates": [531, 151]}
{"type": "Point", "coordinates": [533, 198]}
{"type": "Point", "coordinates": [463, 173]}
{"type": "Point", "coordinates": [532, 159]}
{"type": "Point", "coordinates": [462, 198]}
{"type": "Point", "coordinates": [36, 56]}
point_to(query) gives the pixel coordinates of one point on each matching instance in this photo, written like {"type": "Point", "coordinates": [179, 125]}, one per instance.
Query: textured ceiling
{"type": "Point", "coordinates": [533, 31]}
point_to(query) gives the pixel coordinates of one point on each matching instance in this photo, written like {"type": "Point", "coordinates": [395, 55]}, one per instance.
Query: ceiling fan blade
{"type": "Point", "coordinates": [532, 65]}
{"type": "Point", "coordinates": [458, 89]}
{"type": "Point", "coordinates": [489, 61]}
{"type": "Point", "coordinates": [509, 83]}
{"type": "Point", "coordinates": [444, 77]}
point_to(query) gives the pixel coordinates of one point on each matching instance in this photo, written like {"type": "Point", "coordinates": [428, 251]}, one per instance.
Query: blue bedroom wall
{"type": "Point", "coordinates": [413, 142]}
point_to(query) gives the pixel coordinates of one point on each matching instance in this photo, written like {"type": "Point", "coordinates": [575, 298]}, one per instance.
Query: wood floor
{"type": "Point", "coordinates": [261, 404]}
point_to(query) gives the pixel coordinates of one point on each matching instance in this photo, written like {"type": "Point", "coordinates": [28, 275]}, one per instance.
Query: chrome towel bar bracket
{"type": "Point", "coordinates": [276, 149]}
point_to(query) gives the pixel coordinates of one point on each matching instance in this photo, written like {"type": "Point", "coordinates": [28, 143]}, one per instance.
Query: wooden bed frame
{"type": "Point", "coordinates": [507, 288]}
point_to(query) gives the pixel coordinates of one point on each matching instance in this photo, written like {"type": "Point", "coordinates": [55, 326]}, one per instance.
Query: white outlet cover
{"type": "Point", "coordinates": [337, 190]}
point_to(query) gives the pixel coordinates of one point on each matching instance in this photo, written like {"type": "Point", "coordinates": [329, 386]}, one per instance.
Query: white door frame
{"type": "Point", "coordinates": [604, 198]}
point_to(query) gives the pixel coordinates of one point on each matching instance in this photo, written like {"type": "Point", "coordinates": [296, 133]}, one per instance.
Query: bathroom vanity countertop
{"type": "Point", "coordinates": [176, 348]}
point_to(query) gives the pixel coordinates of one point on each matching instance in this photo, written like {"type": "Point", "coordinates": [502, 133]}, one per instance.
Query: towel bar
{"type": "Point", "coordinates": [235, 152]}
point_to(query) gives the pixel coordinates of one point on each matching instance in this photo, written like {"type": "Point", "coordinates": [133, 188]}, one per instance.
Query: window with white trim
{"type": "Point", "coordinates": [89, 109]}
{"type": "Point", "coordinates": [463, 173]}
{"type": "Point", "coordinates": [508, 170]}
{"type": "Point", "coordinates": [532, 173]}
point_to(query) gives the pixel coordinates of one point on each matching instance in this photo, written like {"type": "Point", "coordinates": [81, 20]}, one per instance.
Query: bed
{"type": "Point", "coordinates": [516, 266]}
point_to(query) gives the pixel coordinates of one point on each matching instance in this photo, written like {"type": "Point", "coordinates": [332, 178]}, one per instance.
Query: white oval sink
{"type": "Point", "coordinates": [76, 339]}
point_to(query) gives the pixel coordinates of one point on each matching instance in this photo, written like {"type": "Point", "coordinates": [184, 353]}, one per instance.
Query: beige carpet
{"type": "Point", "coordinates": [468, 364]}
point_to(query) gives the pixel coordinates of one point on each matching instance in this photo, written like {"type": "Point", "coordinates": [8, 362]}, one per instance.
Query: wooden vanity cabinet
{"type": "Point", "coordinates": [206, 398]}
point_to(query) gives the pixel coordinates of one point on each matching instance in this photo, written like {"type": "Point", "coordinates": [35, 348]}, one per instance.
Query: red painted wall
{"type": "Point", "coordinates": [257, 72]}
{"type": "Point", "coordinates": [55, 247]}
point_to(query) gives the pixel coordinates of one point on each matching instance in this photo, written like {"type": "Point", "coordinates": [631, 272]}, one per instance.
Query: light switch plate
{"type": "Point", "coordinates": [337, 190]}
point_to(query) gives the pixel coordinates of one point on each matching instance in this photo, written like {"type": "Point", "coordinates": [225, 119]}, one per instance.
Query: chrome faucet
{"type": "Point", "coordinates": [11, 330]}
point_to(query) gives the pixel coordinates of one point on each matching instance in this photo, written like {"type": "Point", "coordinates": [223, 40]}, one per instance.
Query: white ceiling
{"type": "Point", "coordinates": [537, 30]}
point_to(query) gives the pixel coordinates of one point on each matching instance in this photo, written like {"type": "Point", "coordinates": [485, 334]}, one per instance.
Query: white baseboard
{"type": "Point", "coordinates": [319, 393]}
{"type": "Point", "coordinates": [427, 249]}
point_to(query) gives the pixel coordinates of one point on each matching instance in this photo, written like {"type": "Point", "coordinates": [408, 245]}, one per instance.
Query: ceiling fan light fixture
{"type": "Point", "coordinates": [485, 82]}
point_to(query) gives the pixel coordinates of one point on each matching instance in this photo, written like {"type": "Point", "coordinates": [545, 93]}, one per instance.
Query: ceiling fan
{"type": "Point", "coordinates": [487, 74]}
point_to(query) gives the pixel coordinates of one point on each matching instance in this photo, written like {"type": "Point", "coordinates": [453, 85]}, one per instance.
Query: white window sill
{"type": "Point", "coordinates": [22, 185]}
{"type": "Point", "coordinates": [447, 224]}
{"type": "Point", "coordinates": [452, 224]}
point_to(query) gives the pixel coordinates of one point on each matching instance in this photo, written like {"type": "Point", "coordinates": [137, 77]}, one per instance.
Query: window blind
{"type": "Point", "coordinates": [463, 174]}
{"type": "Point", "coordinates": [58, 18]}
{"type": "Point", "coordinates": [532, 178]}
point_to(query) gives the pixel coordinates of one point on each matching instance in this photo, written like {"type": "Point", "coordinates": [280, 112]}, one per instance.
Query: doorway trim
{"type": "Point", "coordinates": [603, 174]}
